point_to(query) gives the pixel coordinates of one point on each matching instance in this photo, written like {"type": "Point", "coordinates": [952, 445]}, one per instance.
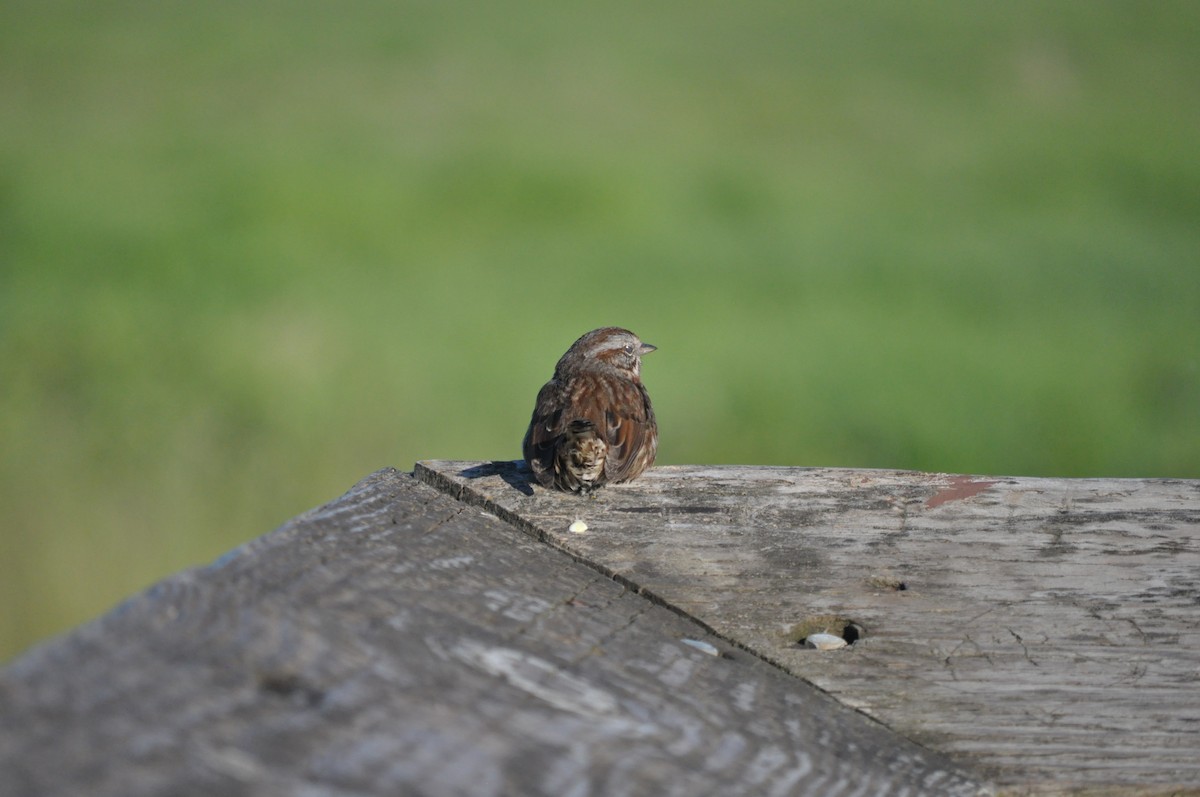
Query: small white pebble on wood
{"type": "Point", "coordinates": [578, 527]}
{"type": "Point", "coordinates": [824, 641]}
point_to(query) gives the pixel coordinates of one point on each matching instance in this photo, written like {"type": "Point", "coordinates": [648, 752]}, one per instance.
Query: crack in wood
{"type": "Point", "coordinates": [1024, 647]}
{"type": "Point", "coordinates": [598, 646]}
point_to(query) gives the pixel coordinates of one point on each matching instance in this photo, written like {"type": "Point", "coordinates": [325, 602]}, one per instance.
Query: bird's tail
{"type": "Point", "coordinates": [580, 461]}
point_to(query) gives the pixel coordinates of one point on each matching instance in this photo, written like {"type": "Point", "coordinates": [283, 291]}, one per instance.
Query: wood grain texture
{"type": "Point", "coordinates": [1047, 629]}
{"type": "Point", "coordinates": [396, 641]}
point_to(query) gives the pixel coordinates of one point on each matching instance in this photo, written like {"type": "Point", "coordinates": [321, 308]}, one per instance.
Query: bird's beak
{"type": "Point", "coordinates": [646, 348]}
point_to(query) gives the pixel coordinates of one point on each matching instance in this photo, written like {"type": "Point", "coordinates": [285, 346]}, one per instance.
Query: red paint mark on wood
{"type": "Point", "coordinates": [960, 487]}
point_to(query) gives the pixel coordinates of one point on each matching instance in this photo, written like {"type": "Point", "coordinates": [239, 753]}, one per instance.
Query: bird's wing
{"type": "Point", "coordinates": [545, 427]}
{"type": "Point", "coordinates": [629, 430]}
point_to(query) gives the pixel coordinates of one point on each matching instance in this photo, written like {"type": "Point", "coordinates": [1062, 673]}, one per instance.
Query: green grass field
{"type": "Point", "coordinates": [250, 252]}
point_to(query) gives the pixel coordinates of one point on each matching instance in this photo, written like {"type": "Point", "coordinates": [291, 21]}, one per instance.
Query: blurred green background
{"type": "Point", "coordinates": [250, 252]}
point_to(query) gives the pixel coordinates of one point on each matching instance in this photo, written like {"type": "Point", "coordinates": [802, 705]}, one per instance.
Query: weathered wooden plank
{"type": "Point", "coordinates": [396, 641]}
{"type": "Point", "coordinates": [1049, 628]}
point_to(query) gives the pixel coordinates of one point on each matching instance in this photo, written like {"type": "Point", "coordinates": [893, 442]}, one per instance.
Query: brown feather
{"type": "Point", "coordinates": [593, 422]}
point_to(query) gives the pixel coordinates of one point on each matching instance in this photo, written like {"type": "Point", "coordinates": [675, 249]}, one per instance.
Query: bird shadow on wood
{"type": "Point", "coordinates": [515, 474]}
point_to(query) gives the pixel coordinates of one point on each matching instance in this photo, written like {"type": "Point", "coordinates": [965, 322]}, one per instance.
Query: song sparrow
{"type": "Point", "coordinates": [593, 423]}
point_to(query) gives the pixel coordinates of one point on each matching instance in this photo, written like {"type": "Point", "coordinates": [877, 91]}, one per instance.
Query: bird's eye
{"type": "Point", "coordinates": [629, 349]}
